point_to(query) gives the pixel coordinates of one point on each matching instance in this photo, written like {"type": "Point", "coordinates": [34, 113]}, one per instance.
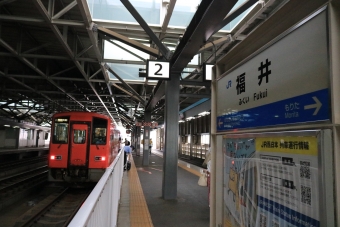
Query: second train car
{"type": "Point", "coordinates": [82, 146]}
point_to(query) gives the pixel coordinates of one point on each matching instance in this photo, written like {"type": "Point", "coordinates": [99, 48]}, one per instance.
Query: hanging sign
{"type": "Point", "coordinates": [158, 70]}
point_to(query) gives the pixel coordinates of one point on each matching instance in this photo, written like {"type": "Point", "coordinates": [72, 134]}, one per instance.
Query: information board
{"type": "Point", "coordinates": [271, 181]}
{"type": "Point", "coordinates": [287, 82]}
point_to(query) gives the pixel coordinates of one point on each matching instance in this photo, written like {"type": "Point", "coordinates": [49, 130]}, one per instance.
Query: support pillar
{"type": "Point", "coordinates": [170, 155]}
{"type": "Point", "coordinates": [146, 138]}
{"type": "Point", "coordinates": [137, 141]}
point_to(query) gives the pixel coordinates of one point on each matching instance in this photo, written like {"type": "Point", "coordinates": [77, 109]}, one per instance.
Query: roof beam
{"type": "Point", "coordinates": [65, 45]}
{"type": "Point", "coordinates": [125, 84]}
{"type": "Point", "coordinates": [4, 2]}
{"type": "Point", "coordinates": [213, 43]}
{"type": "Point", "coordinates": [37, 48]}
{"type": "Point", "coordinates": [128, 62]}
{"type": "Point", "coordinates": [123, 90]}
{"type": "Point", "coordinates": [36, 20]}
{"type": "Point", "coordinates": [169, 10]}
{"type": "Point", "coordinates": [130, 52]}
{"type": "Point", "coordinates": [57, 78]}
{"type": "Point", "coordinates": [237, 12]}
{"type": "Point", "coordinates": [211, 58]}
{"type": "Point", "coordinates": [65, 10]}
{"type": "Point", "coordinates": [32, 66]}
{"type": "Point", "coordinates": [84, 51]}
{"type": "Point", "coordinates": [62, 71]}
{"type": "Point", "coordinates": [130, 42]}
{"type": "Point", "coordinates": [207, 18]}
{"type": "Point", "coordinates": [94, 74]}
{"type": "Point", "coordinates": [162, 48]}
{"type": "Point", "coordinates": [52, 57]}
{"type": "Point", "coordinates": [21, 19]}
{"type": "Point", "coordinates": [31, 89]}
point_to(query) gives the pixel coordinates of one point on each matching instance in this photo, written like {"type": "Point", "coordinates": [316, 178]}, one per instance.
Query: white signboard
{"type": "Point", "coordinates": [288, 82]}
{"type": "Point", "coordinates": [158, 70]}
{"type": "Point", "coordinates": [207, 71]}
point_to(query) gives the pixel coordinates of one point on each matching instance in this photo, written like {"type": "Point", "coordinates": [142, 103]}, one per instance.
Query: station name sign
{"type": "Point", "coordinates": [279, 85]}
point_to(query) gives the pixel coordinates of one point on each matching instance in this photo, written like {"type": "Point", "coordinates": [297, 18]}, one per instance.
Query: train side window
{"type": "Point", "coordinates": [60, 133]}
{"type": "Point", "coordinates": [79, 136]}
{"type": "Point", "coordinates": [99, 131]}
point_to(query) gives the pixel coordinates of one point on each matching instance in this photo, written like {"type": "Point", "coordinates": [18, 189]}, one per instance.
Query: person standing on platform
{"type": "Point", "coordinates": [127, 152]}
{"type": "Point", "coordinates": [125, 141]}
{"type": "Point", "coordinates": [150, 145]}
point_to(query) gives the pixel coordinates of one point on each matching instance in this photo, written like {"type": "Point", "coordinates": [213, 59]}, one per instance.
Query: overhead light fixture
{"type": "Point", "coordinates": [7, 125]}
{"type": "Point", "coordinates": [204, 113]}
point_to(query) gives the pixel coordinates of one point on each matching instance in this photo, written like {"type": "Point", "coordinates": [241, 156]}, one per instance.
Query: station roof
{"type": "Point", "coordinates": [71, 55]}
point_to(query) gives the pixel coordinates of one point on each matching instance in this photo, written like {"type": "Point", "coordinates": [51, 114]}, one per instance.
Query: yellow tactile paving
{"type": "Point", "coordinates": [139, 212]}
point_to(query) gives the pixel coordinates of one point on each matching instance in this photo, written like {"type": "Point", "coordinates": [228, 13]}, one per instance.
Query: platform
{"type": "Point", "coordinates": [141, 198]}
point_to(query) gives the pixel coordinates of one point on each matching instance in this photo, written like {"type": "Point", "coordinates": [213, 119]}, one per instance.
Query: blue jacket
{"type": "Point", "coordinates": [127, 149]}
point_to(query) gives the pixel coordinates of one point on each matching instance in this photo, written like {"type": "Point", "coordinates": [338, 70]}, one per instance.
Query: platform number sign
{"type": "Point", "coordinates": [158, 70]}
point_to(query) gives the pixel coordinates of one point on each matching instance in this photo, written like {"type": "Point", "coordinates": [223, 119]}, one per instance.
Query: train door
{"type": "Point", "coordinates": [79, 145]}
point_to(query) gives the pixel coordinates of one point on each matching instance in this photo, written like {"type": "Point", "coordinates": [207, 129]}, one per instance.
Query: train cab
{"type": "Point", "coordinates": [82, 146]}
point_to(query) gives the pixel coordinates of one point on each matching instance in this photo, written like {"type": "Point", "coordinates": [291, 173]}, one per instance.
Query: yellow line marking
{"type": "Point", "coordinates": [139, 212]}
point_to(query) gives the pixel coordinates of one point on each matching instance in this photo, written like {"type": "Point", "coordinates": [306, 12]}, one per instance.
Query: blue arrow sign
{"type": "Point", "coordinates": [309, 107]}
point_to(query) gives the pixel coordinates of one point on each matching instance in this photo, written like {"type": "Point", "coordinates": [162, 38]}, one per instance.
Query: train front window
{"type": "Point", "coordinates": [60, 134]}
{"type": "Point", "coordinates": [99, 131]}
{"type": "Point", "coordinates": [79, 136]}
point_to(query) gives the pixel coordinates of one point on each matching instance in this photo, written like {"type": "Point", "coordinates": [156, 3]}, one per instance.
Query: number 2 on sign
{"type": "Point", "coordinates": [160, 68]}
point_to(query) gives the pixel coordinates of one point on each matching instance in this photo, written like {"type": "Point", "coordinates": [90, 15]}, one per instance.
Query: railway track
{"type": "Point", "coordinates": [28, 199]}
{"type": "Point", "coordinates": [55, 210]}
{"type": "Point", "coordinates": [22, 180]}
{"type": "Point", "coordinates": [18, 166]}
{"type": "Point", "coordinates": [16, 187]}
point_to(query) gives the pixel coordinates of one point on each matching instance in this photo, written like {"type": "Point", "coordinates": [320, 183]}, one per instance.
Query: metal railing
{"type": "Point", "coordinates": [101, 207]}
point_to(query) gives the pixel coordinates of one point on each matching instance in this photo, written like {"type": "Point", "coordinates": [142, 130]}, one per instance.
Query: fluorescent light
{"type": "Point", "coordinates": [204, 113]}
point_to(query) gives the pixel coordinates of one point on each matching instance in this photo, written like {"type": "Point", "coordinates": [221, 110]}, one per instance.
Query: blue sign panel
{"type": "Point", "coordinates": [309, 107]}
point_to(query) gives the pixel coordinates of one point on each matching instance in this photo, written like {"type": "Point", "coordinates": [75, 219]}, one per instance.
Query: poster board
{"type": "Point", "coordinates": [274, 179]}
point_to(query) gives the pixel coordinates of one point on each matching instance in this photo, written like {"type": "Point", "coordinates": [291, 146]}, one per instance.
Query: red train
{"type": "Point", "coordinates": [82, 146]}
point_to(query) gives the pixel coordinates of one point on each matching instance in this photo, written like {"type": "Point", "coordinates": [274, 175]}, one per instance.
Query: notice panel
{"type": "Point", "coordinates": [288, 82]}
{"type": "Point", "coordinates": [271, 181]}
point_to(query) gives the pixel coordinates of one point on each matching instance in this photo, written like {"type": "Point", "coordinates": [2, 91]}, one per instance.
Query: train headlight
{"type": "Point", "coordinates": [99, 158]}
{"type": "Point", "coordinates": [55, 157]}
